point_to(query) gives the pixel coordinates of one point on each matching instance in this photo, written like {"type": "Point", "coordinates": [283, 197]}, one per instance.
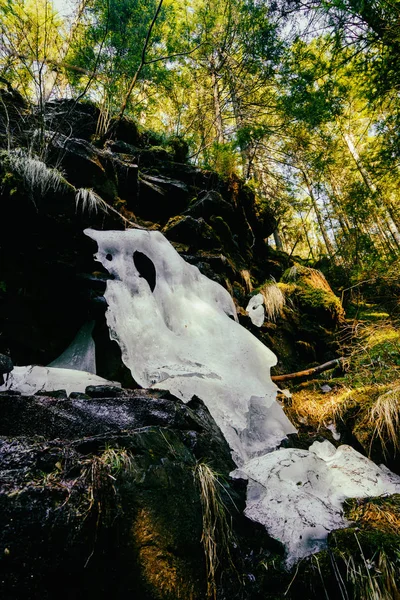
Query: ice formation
{"type": "Point", "coordinates": [80, 354]}
{"type": "Point", "coordinates": [32, 379]}
{"type": "Point", "coordinates": [177, 330]}
{"type": "Point", "coordinates": [298, 494]}
{"type": "Point", "coordinates": [255, 310]}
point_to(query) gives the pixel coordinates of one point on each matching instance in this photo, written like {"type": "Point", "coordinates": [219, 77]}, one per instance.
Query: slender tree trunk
{"type": "Point", "coordinates": [141, 65]}
{"type": "Point", "coordinates": [277, 240]}
{"type": "Point", "coordinates": [311, 253]}
{"type": "Point", "coordinates": [247, 155]}
{"type": "Point", "coordinates": [388, 219]}
{"type": "Point", "coordinates": [328, 244]}
{"type": "Point", "coordinates": [217, 103]}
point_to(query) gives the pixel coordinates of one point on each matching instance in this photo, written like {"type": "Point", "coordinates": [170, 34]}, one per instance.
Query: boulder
{"type": "Point", "coordinates": [104, 496]}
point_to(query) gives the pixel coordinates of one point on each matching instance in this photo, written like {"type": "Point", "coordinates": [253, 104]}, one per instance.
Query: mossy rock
{"type": "Point", "coordinates": [179, 148]}
{"type": "Point", "coordinates": [311, 293]}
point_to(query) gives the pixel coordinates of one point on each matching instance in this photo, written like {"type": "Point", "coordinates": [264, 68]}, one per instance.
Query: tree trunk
{"type": "Point", "coordinates": [388, 220]}
{"type": "Point", "coordinates": [328, 244]}
{"type": "Point", "coordinates": [217, 104]}
{"type": "Point", "coordinates": [278, 241]}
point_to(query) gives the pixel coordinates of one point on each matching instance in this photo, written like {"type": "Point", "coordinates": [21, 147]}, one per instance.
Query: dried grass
{"type": "Point", "coordinates": [384, 418]}
{"type": "Point", "coordinates": [313, 277]}
{"type": "Point", "coordinates": [274, 300]}
{"type": "Point", "coordinates": [36, 175]}
{"type": "Point", "coordinates": [372, 579]}
{"type": "Point", "coordinates": [313, 408]}
{"type": "Point", "coordinates": [217, 534]}
{"type": "Point", "coordinates": [88, 200]}
{"type": "Point", "coordinates": [376, 513]}
{"type": "Point", "coordinates": [246, 277]}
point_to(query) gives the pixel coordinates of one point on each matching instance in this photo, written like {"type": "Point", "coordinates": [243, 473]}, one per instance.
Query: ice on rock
{"type": "Point", "coordinates": [177, 330]}
{"type": "Point", "coordinates": [255, 310]}
{"type": "Point", "coordinates": [80, 354]}
{"type": "Point", "coordinates": [298, 494]}
{"type": "Point", "coordinates": [32, 379]}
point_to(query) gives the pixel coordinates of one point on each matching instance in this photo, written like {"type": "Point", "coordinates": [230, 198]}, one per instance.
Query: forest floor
{"type": "Point", "coordinates": [363, 400]}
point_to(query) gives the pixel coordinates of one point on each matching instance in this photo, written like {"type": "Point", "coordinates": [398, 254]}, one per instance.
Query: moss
{"type": "Point", "coordinates": [179, 148]}
{"type": "Point", "coordinates": [319, 302]}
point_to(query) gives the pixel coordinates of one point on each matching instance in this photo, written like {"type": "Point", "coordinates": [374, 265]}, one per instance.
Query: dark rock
{"type": "Point", "coordinates": [103, 495]}
{"type": "Point", "coordinates": [196, 233]}
{"type": "Point", "coordinates": [124, 130]}
{"type": "Point", "coordinates": [85, 165]}
{"type": "Point", "coordinates": [160, 197]}
{"type": "Point", "coordinates": [6, 364]}
{"type": "Point", "coordinates": [69, 419]}
{"type": "Point", "coordinates": [209, 203]}
{"type": "Point", "coordinates": [66, 116]}
{"type": "Point", "coordinates": [79, 396]}
{"type": "Point", "coordinates": [180, 149]}
{"type": "Point", "coordinates": [104, 391]}
{"type": "Point", "coordinates": [59, 394]}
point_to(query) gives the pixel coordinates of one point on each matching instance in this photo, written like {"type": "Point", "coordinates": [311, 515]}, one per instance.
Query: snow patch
{"type": "Point", "coordinates": [255, 310]}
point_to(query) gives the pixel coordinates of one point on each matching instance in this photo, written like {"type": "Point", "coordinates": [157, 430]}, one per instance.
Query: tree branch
{"type": "Point", "coordinates": [309, 372]}
{"type": "Point", "coordinates": [141, 65]}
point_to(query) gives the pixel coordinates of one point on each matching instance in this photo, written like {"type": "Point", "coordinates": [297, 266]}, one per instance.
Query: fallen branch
{"type": "Point", "coordinates": [309, 372]}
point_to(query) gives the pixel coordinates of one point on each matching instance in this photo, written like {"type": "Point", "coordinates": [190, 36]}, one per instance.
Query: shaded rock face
{"type": "Point", "coordinates": [49, 284]}
{"type": "Point", "coordinates": [99, 498]}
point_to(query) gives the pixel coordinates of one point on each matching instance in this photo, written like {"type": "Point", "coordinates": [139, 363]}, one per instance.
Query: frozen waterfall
{"type": "Point", "coordinates": [178, 331]}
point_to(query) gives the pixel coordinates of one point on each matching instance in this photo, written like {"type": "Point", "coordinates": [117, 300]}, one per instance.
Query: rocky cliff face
{"type": "Point", "coordinates": [49, 285]}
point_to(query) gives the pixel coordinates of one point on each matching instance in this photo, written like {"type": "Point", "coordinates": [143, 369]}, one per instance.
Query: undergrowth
{"type": "Point", "coordinates": [366, 397]}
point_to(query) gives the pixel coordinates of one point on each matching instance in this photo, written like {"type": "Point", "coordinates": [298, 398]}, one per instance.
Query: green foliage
{"type": "Point", "coordinates": [223, 159]}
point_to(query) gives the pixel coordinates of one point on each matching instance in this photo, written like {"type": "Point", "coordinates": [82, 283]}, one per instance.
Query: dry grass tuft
{"type": "Point", "coordinates": [309, 406]}
{"type": "Point", "coordinates": [245, 274]}
{"type": "Point", "coordinates": [36, 175]}
{"type": "Point", "coordinates": [376, 513]}
{"type": "Point", "coordinates": [119, 460]}
{"type": "Point", "coordinates": [372, 579]}
{"type": "Point", "coordinates": [274, 300]}
{"type": "Point", "coordinates": [89, 201]}
{"type": "Point", "coordinates": [306, 275]}
{"type": "Point", "coordinates": [384, 418]}
{"type": "Point", "coordinates": [217, 533]}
